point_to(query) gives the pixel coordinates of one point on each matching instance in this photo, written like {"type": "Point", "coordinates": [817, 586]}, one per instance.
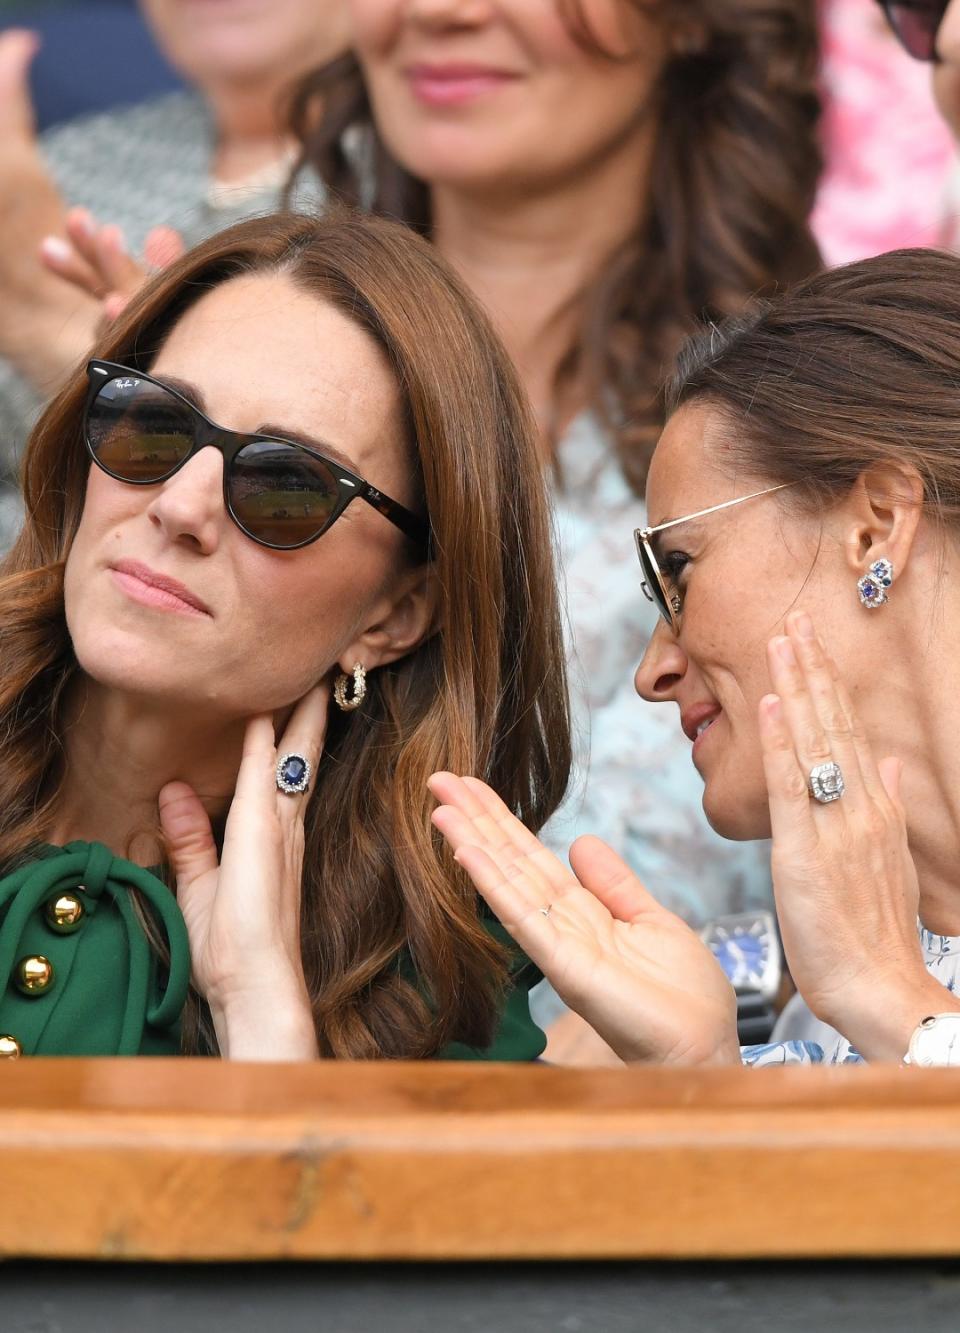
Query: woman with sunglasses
{"type": "Point", "coordinates": [575, 162]}
{"type": "Point", "coordinates": [805, 559]}
{"type": "Point", "coordinates": [298, 467]}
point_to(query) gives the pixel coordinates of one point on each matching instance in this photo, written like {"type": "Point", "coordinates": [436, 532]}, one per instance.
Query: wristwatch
{"type": "Point", "coordinates": [935, 1041]}
{"type": "Point", "coordinates": [747, 947]}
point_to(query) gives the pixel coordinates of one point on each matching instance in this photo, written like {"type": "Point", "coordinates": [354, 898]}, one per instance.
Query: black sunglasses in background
{"type": "Point", "coordinates": [916, 24]}
{"type": "Point", "coordinates": [280, 494]}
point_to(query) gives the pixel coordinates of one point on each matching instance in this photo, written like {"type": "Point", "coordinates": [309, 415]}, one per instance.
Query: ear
{"type": "Point", "coordinates": [881, 516]}
{"type": "Point", "coordinates": [397, 624]}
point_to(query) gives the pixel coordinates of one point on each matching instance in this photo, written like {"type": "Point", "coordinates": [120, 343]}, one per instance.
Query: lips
{"type": "Point", "coordinates": [453, 82]}
{"type": "Point", "coordinates": [697, 718]}
{"type": "Point", "coordinates": [133, 569]}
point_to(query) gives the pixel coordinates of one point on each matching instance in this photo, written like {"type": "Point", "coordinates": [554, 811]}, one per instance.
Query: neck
{"type": "Point", "coordinates": [249, 123]}
{"type": "Point", "coordinates": [530, 256]}
{"type": "Point", "coordinates": [120, 751]}
{"type": "Point", "coordinates": [925, 740]}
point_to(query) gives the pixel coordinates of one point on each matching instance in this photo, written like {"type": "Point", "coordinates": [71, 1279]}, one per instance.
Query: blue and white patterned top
{"type": "Point", "coordinates": [634, 782]}
{"type": "Point", "coordinates": [806, 1040]}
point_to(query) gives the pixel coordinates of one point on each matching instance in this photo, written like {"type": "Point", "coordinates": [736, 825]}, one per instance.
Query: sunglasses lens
{"type": "Point", "coordinates": [651, 583]}
{"type": "Point", "coordinates": [137, 431]}
{"type": "Point", "coordinates": [916, 23]}
{"type": "Point", "coordinates": [281, 495]}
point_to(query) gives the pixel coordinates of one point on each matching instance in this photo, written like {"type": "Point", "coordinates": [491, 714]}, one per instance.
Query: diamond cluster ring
{"type": "Point", "coordinates": [826, 783]}
{"type": "Point", "coordinates": [293, 774]}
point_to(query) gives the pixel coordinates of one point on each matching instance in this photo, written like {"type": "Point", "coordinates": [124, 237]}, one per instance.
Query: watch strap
{"type": "Point", "coordinates": [755, 1020]}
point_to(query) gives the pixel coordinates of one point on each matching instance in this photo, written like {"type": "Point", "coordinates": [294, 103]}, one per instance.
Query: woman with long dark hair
{"type": "Point", "coordinates": [286, 552]}
{"type": "Point", "coordinates": [602, 175]}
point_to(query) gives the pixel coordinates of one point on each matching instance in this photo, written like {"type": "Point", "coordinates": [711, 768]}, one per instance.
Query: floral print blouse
{"type": "Point", "coordinates": [634, 783]}
{"type": "Point", "coordinates": [813, 1042]}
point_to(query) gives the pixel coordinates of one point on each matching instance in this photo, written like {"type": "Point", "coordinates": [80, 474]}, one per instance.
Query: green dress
{"type": "Point", "coordinates": [81, 978]}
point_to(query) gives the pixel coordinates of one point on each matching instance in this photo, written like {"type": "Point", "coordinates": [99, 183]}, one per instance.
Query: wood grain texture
{"type": "Point", "coordinates": [179, 1159]}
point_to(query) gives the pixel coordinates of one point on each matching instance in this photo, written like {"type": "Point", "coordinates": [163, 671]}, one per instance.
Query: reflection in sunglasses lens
{"type": "Point", "coordinates": [280, 494]}
{"type": "Point", "coordinates": [137, 431]}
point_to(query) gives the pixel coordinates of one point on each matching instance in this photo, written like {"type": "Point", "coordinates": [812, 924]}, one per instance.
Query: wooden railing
{"type": "Point", "coordinates": [178, 1159]}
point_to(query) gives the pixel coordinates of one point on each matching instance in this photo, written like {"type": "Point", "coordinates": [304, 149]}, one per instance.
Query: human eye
{"type": "Point", "coordinates": [673, 565]}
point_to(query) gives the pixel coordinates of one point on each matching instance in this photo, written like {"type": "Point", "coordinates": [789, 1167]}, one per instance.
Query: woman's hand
{"type": "Point", "coordinates": [639, 976]}
{"type": "Point", "coordinates": [94, 259]}
{"type": "Point", "coordinates": [44, 326]}
{"type": "Point", "coordinates": [845, 883]}
{"type": "Point", "coordinates": [243, 912]}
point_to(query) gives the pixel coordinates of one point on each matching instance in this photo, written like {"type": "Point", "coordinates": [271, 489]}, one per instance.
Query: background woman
{"type": "Point", "coordinates": [601, 174]}
{"type": "Point", "coordinates": [171, 608]}
{"type": "Point", "coordinates": [808, 479]}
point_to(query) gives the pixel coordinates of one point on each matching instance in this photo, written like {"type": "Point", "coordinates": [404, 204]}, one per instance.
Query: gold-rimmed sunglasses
{"type": "Point", "coordinates": [655, 587]}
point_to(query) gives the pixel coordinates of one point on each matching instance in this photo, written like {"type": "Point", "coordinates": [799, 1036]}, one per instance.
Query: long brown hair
{"type": "Point", "coordinates": [856, 366]}
{"type": "Point", "coordinates": [397, 960]}
{"type": "Point", "coordinates": [735, 167]}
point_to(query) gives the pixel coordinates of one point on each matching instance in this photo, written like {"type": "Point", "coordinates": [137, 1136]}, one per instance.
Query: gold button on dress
{"type": "Point", "coordinates": [64, 913]}
{"type": "Point", "coordinates": [34, 974]}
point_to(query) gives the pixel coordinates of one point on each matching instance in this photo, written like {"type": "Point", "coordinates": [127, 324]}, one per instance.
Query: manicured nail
{"type": "Point", "coordinates": [772, 707]}
{"type": "Point", "coordinates": [115, 239]}
{"type": "Point", "coordinates": [804, 625]}
{"type": "Point", "coordinates": [55, 248]}
{"type": "Point", "coordinates": [785, 650]}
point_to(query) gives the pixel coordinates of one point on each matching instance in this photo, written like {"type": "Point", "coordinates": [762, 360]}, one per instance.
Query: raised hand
{"type": "Point", "coordinates": [44, 326]}
{"type": "Point", "coordinates": [18, 126]}
{"type": "Point", "coordinates": [638, 975]}
{"type": "Point", "coordinates": [845, 883]}
{"type": "Point", "coordinates": [243, 910]}
{"type": "Point", "coordinates": [94, 259]}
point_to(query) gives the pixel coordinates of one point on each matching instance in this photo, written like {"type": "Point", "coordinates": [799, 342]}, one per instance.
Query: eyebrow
{"type": "Point", "coordinates": [195, 396]}
{"type": "Point", "coordinates": [659, 539]}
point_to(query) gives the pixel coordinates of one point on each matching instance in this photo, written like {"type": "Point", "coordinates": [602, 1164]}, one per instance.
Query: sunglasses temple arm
{"type": "Point", "coordinates": [409, 523]}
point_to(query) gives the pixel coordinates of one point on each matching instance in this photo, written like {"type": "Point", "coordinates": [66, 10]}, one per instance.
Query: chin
{"type": "Point", "coordinates": [738, 818]}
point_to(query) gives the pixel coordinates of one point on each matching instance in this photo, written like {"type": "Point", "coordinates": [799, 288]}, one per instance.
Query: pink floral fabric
{"type": "Point", "coordinates": [889, 156]}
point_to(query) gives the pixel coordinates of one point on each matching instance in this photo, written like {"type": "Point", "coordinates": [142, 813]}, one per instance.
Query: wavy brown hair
{"type": "Point", "coordinates": [857, 366]}
{"type": "Point", "coordinates": [486, 693]}
{"type": "Point", "coordinates": [735, 167]}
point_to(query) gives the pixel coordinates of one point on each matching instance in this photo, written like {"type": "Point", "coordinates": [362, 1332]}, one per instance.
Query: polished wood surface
{"type": "Point", "coordinates": [178, 1159]}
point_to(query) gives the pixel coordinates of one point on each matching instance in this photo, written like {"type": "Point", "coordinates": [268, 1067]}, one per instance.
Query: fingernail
{"type": "Point", "coordinates": [84, 219]}
{"type": "Point", "coordinates": [786, 653]}
{"type": "Point", "coordinates": [115, 238]}
{"type": "Point", "coordinates": [55, 248]}
{"type": "Point", "coordinates": [771, 706]}
{"type": "Point", "coordinates": [804, 625]}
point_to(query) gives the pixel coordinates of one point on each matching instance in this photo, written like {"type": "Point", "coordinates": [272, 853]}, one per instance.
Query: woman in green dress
{"type": "Point", "coordinates": [287, 553]}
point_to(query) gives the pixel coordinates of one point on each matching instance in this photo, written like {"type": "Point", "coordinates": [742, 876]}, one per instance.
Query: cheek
{"type": "Point", "coordinates": [374, 25]}
{"type": "Point", "coordinates": [946, 90]}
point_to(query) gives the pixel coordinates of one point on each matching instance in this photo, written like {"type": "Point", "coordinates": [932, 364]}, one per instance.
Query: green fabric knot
{"type": "Point", "coordinates": [92, 871]}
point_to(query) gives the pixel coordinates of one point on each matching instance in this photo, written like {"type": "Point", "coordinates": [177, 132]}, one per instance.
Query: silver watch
{"type": "Point", "coordinates": [747, 947]}
{"type": "Point", "coordinates": [935, 1041]}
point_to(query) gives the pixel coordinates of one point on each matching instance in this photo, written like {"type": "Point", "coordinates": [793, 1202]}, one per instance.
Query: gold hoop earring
{"type": "Point", "coordinates": [359, 689]}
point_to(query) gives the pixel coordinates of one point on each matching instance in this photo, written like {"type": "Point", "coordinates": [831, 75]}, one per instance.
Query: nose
{"type": "Point", "coordinates": [188, 508]}
{"type": "Point", "coordinates": [450, 13]}
{"type": "Point", "coordinates": [663, 667]}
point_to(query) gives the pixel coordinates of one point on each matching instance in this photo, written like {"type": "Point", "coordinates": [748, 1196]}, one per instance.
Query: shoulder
{"type": "Point", "coordinates": [155, 149]}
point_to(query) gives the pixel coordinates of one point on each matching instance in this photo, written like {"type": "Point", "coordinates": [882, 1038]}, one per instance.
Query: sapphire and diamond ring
{"type": "Point", "coordinates": [826, 783]}
{"type": "Point", "coordinates": [293, 774]}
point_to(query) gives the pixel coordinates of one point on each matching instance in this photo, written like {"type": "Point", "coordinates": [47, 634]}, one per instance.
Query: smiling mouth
{"type": "Point", "coordinates": [705, 726]}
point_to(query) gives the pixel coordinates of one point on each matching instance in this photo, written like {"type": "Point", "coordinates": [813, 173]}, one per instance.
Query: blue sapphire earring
{"type": "Point", "coordinates": [874, 584]}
